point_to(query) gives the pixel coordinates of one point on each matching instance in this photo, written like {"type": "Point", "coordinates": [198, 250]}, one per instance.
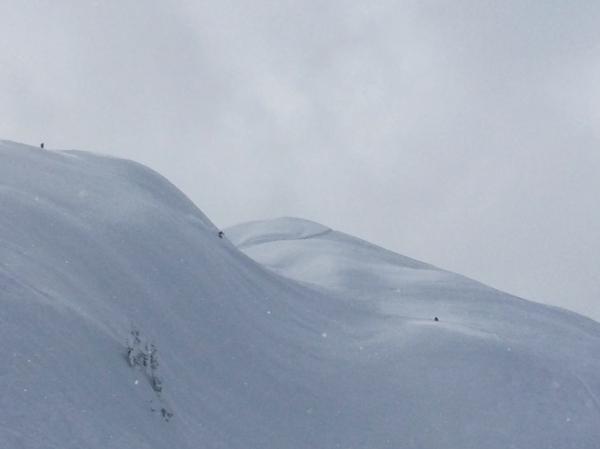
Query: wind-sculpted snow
{"type": "Point", "coordinates": [92, 247]}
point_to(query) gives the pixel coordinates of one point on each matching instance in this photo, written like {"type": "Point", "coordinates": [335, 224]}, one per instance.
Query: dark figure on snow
{"type": "Point", "coordinates": [436, 319]}
{"type": "Point", "coordinates": [42, 145]}
{"type": "Point", "coordinates": [221, 234]}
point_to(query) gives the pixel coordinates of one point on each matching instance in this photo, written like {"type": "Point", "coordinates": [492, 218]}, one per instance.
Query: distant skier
{"type": "Point", "coordinates": [221, 234]}
{"type": "Point", "coordinates": [42, 145]}
{"type": "Point", "coordinates": [436, 319]}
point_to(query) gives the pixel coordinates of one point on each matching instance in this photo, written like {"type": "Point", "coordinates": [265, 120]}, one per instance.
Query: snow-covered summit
{"type": "Point", "coordinates": [310, 252]}
{"type": "Point", "coordinates": [265, 231]}
{"type": "Point", "coordinates": [335, 349]}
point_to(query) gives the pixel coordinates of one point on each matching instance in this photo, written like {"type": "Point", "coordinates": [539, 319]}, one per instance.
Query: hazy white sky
{"type": "Point", "coordinates": [462, 133]}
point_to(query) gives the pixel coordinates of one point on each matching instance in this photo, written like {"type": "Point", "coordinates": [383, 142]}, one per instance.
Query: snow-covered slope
{"type": "Point", "coordinates": [92, 246]}
{"type": "Point", "coordinates": [89, 246]}
{"type": "Point", "coordinates": [494, 371]}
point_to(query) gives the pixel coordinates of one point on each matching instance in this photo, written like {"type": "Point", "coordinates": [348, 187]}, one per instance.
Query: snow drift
{"type": "Point", "coordinates": [324, 341]}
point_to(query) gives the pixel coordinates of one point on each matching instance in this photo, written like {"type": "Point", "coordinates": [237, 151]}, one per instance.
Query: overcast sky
{"type": "Point", "coordinates": [462, 133]}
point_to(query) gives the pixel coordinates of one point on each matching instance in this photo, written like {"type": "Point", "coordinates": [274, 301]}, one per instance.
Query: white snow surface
{"type": "Point", "coordinates": [322, 341]}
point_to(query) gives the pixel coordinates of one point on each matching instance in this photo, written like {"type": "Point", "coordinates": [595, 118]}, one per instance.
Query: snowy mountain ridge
{"type": "Point", "coordinates": [303, 337]}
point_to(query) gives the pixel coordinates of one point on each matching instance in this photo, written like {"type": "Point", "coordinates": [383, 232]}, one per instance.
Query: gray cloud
{"type": "Point", "coordinates": [463, 133]}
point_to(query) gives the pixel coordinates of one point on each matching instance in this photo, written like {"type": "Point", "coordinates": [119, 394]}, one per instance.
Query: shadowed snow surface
{"type": "Point", "coordinates": [326, 342]}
